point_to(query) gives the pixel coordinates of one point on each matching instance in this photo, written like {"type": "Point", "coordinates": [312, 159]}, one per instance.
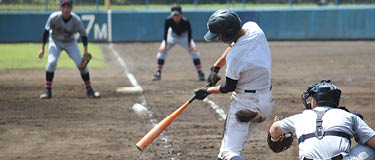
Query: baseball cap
{"type": "Point", "coordinates": [69, 2]}
{"type": "Point", "coordinates": [176, 10]}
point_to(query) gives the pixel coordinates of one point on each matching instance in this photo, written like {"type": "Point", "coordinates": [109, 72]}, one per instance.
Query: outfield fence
{"type": "Point", "coordinates": [51, 5]}
{"type": "Point", "coordinates": [333, 23]}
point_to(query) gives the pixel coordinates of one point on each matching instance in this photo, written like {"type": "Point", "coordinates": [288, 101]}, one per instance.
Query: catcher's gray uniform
{"type": "Point", "coordinates": [63, 38]}
{"type": "Point", "coordinates": [330, 146]}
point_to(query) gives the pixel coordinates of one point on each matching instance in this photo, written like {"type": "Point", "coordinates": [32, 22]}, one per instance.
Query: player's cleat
{"type": "Point", "coordinates": [201, 76]}
{"type": "Point", "coordinates": [46, 95]}
{"type": "Point", "coordinates": [157, 77]}
{"type": "Point", "coordinates": [92, 94]}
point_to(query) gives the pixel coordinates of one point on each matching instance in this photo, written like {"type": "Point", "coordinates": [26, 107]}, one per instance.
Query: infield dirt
{"type": "Point", "coordinates": [72, 126]}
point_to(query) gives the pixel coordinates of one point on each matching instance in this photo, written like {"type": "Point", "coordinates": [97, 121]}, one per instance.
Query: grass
{"type": "Point", "coordinates": [24, 56]}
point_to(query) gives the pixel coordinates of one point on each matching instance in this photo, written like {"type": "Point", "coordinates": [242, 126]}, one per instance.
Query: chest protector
{"type": "Point", "coordinates": [319, 131]}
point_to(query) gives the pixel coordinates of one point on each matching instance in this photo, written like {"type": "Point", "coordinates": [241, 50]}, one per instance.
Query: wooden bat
{"type": "Point", "coordinates": [161, 126]}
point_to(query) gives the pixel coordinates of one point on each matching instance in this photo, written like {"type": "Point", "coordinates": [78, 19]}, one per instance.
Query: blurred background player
{"type": "Point", "coordinates": [248, 77]}
{"type": "Point", "coordinates": [177, 30]}
{"type": "Point", "coordinates": [63, 25]}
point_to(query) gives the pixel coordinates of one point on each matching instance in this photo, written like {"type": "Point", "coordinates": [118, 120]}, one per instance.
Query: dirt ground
{"type": "Point", "coordinates": [72, 126]}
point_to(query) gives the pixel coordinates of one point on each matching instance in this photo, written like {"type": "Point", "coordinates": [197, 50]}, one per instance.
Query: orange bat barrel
{"type": "Point", "coordinates": [161, 126]}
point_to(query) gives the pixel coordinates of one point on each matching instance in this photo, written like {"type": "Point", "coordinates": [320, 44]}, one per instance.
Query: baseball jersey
{"type": "Point", "coordinates": [249, 60]}
{"type": "Point", "coordinates": [333, 120]}
{"type": "Point", "coordinates": [64, 30]}
{"type": "Point", "coordinates": [179, 28]}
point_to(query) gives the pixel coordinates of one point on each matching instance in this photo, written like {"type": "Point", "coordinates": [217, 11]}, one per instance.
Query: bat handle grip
{"type": "Point", "coordinates": [192, 99]}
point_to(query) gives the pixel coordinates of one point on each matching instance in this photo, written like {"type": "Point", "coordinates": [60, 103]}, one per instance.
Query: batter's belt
{"type": "Point", "coordinates": [238, 90]}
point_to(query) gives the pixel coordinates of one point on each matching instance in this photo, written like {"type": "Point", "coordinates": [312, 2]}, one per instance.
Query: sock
{"type": "Point", "coordinates": [49, 79]}
{"type": "Point", "coordinates": [197, 63]}
{"type": "Point", "coordinates": [86, 79]}
{"type": "Point", "coordinates": [159, 65]}
{"type": "Point", "coordinates": [237, 158]}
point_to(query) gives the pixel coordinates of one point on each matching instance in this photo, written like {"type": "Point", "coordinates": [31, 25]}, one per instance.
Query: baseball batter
{"type": "Point", "coordinates": [248, 73]}
{"type": "Point", "coordinates": [324, 131]}
{"type": "Point", "coordinates": [177, 30]}
{"type": "Point", "coordinates": [63, 25]}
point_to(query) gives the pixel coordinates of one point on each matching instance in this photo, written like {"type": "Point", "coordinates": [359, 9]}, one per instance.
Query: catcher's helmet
{"type": "Point", "coordinates": [223, 22]}
{"type": "Point", "coordinates": [69, 2]}
{"type": "Point", "coordinates": [325, 93]}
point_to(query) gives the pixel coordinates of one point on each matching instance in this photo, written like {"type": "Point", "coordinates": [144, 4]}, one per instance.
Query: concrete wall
{"type": "Point", "coordinates": [341, 23]}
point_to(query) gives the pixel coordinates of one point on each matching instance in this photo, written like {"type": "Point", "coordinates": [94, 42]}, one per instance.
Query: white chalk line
{"type": "Point", "coordinates": [165, 139]}
{"type": "Point", "coordinates": [220, 111]}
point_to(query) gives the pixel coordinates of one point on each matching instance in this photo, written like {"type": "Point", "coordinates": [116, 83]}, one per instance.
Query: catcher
{"type": "Point", "coordinates": [63, 25]}
{"type": "Point", "coordinates": [324, 130]}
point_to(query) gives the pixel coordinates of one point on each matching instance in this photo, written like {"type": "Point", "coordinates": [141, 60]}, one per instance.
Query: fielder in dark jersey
{"type": "Point", "coordinates": [177, 30]}
{"type": "Point", "coordinates": [63, 25]}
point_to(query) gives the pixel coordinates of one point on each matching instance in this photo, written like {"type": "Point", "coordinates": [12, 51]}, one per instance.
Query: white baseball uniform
{"type": "Point", "coordinates": [249, 62]}
{"type": "Point", "coordinates": [330, 146]}
{"type": "Point", "coordinates": [63, 38]}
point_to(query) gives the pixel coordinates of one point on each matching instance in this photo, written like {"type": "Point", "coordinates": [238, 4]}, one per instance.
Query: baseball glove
{"type": "Point", "coordinates": [280, 144]}
{"type": "Point", "coordinates": [85, 60]}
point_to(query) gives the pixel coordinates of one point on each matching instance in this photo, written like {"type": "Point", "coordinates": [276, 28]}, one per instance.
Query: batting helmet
{"type": "Point", "coordinates": [325, 93]}
{"type": "Point", "coordinates": [223, 22]}
{"type": "Point", "coordinates": [68, 2]}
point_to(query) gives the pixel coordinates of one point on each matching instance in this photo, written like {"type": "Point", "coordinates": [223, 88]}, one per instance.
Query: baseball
{"type": "Point", "coordinates": [140, 109]}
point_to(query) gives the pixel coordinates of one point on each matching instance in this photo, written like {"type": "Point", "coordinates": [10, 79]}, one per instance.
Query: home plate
{"type": "Point", "coordinates": [129, 90]}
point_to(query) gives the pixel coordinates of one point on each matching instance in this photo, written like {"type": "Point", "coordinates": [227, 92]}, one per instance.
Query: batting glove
{"type": "Point", "coordinates": [213, 78]}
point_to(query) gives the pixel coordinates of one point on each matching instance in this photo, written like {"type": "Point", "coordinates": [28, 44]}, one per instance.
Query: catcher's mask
{"type": "Point", "coordinates": [325, 94]}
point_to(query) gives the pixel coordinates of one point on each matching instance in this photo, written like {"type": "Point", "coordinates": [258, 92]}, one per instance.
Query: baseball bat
{"type": "Point", "coordinates": [161, 126]}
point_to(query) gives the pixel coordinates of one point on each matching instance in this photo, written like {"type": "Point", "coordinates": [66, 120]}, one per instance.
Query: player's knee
{"type": "Point", "coordinates": [162, 54]}
{"type": "Point", "coordinates": [51, 67]}
{"type": "Point", "coordinates": [86, 70]}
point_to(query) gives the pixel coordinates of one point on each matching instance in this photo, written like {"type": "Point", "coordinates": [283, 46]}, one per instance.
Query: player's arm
{"type": "Point", "coordinates": [229, 86]}
{"type": "Point", "coordinates": [44, 41]}
{"type": "Point", "coordinates": [366, 135]}
{"type": "Point", "coordinates": [221, 61]}
{"type": "Point", "coordinates": [45, 36]}
{"type": "Point", "coordinates": [189, 31]}
{"type": "Point", "coordinates": [85, 43]}
{"type": "Point", "coordinates": [166, 27]}
{"type": "Point", "coordinates": [371, 142]}
{"type": "Point", "coordinates": [83, 34]}
{"type": "Point", "coordinates": [213, 77]}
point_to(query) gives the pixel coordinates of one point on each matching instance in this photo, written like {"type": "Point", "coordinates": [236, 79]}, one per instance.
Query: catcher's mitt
{"type": "Point", "coordinates": [282, 143]}
{"type": "Point", "coordinates": [85, 60]}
